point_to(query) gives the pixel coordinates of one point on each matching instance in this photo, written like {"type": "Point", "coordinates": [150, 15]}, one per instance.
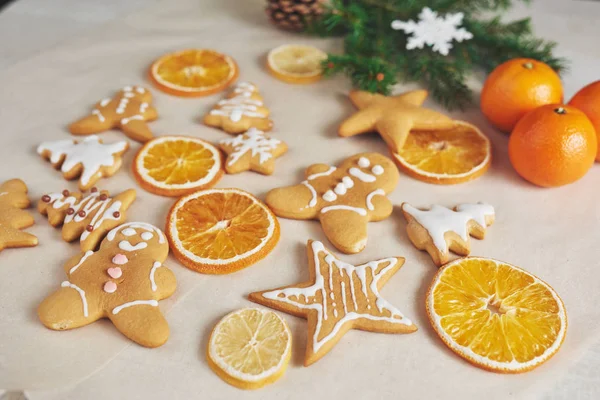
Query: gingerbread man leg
{"type": "Point", "coordinates": [137, 130]}
{"type": "Point", "coordinates": [347, 230]}
{"type": "Point", "coordinates": [143, 323]}
{"type": "Point", "coordinates": [68, 308]}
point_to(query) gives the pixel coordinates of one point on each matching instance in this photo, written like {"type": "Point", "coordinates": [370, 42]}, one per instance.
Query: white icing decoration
{"type": "Point", "coordinates": [438, 220]}
{"type": "Point", "coordinates": [152, 271]}
{"type": "Point", "coordinates": [81, 294]}
{"type": "Point", "coordinates": [125, 121]}
{"type": "Point", "coordinates": [370, 198]}
{"type": "Point", "coordinates": [313, 200]}
{"type": "Point", "coordinates": [364, 162]}
{"type": "Point", "coordinates": [377, 169]}
{"type": "Point", "coordinates": [129, 232]}
{"type": "Point", "coordinates": [140, 90]}
{"type": "Point", "coordinates": [85, 256]}
{"type": "Point", "coordinates": [329, 196]}
{"type": "Point", "coordinates": [240, 104]}
{"type": "Point", "coordinates": [342, 187]}
{"type": "Point", "coordinates": [127, 246]}
{"type": "Point", "coordinates": [147, 236]}
{"type": "Point", "coordinates": [128, 95]}
{"type": "Point", "coordinates": [90, 153]}
{"type": "Point", "coordinates": [320, 174]}
{"type": "Point", "coordinates": [253, 141]}
{"type": "Point", "coordinates": [360, 211]}
{"type": "Point", "coordinates": [140, 225]}
{"type": "Point", "coordinates": [368, 178]}
{"type": "Point", "coordinates": [118, 309]}
{"type": "Point", "coordinates": [298, 297]}
{"type": "Point", "coordinates": [99, 115]}
{"type": "Point", "coordinates": [104, 102]}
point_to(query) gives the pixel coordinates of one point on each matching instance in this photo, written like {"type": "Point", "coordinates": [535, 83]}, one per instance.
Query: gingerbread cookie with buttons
{"type": "Point", "coordinates": [87, 217]}
{"type": "Point", "coordinates": [241, 110]}
{"type": "Point", "coordinates": [13, 198]}
{"type": "Point", "coordinates": [129, 110]}
{"type": "Point", "coordinates": [122, 281]}
{"type": "Point", "coordinates": [344, 199]}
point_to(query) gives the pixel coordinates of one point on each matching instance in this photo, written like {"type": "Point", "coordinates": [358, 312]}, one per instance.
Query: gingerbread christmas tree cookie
{"type": "Point", "coordinates": [338, 297]}
{"type": "Point", "coordinates": [13, 199]}
{"type": "Point", "coordinates": [393, 117]}
{"type": "Point", "coordinates": [241, 110]}
{"type": "Point", "coordinates": [440, 230]}
{"type": "Point", "coordinates": [87, 217]}
{"type": "Point", "coordinates": [252, 151]}
{"type": "Point", "coordinates": [344, 199]}
{"type": "Point", "coordinates": [89, 159]}
{"type": "Point", "coordinates": [129, 110]}
{"type": "Point", "coordinates": [122, 281]}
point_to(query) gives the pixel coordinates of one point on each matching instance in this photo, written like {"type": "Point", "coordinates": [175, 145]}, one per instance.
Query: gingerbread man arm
{"type": "Point", "coordinates": [165, 282]}
{"type": "Point", "coordinates": [316, 169]}
{"type": "Point", "coordinates": [382, 207]}
{"type": "Point", "coordinates": [90, 124]}
{"type": "Point", "coordinates": [137, 130]}
{"type": "Point", "coordinates": [68, 308]}
{"type": "Point", "coordinates": [143, 323]}
{"type": "Point", "coordinates": [346, 229]}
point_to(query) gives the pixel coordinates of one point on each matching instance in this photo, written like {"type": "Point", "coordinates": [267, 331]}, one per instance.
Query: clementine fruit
{"type": "Point", "coordinates": [516, 87]}
{"type": "Point", "coordinates": [588, 101]}
{"type": "Point", "coordinates": [553, 145]}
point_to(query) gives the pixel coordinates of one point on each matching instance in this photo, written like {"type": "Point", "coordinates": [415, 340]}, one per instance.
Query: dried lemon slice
{"type": "Point", "coordinates": [293, 63]}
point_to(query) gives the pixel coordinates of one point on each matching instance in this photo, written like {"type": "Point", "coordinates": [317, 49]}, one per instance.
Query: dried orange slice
{"type": "Point", "coordinates": [219, 231]}
{"type": "Point", "coordinates": [445, 157]}
{"type": "Point", "coordinates": [495, 315]}
{"type": "Point", "coordinates": [193, 72]}
{"type": "Point", "coordinates": [250, 348]}
{"type": "Point", "coordinates": [294, 63]}
{"type": "Point", "coordinates": [177, 165]}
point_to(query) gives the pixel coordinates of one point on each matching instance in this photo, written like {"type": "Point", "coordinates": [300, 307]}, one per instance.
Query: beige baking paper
{"type": "Point", "coordinates": [552, 233]}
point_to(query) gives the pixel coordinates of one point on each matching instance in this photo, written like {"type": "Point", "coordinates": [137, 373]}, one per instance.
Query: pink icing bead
{"type": "Point", "coordinates": [110, 287]}
{"type": "Point", "coordinates": [120, 259]}
{"type": "Point", "coordinates": [115, 272]}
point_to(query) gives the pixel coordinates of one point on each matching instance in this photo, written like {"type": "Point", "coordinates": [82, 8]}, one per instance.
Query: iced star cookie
{"type": "Point", "coordinates": [87, 217]}
{"type": "Point", "coordinates": [122, 281]}
{"type": "Point", "coordinates": [338, 297]}
{"type": "Point", "coordinates": [393, 117]}
{"type": "Point", "coordinates": [128, 110]}
{"type": "Point", "coordinates": [252, 151]}
{"type": "Point", "coordinates": [89, 159]}
{"type": "Point", "coordinates": [344, 199]}
{"type": "Point", "coordinates": [13, 199]}
{"type": "Point", "coordinates": [440, 230]}
{"type": "Point", "coordinates": [241, 110]}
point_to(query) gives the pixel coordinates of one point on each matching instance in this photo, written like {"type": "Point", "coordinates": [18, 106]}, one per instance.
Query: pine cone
{"type": "Point", "coordinates": [293, 14]}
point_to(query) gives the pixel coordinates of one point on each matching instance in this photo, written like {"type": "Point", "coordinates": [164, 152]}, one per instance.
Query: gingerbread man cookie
{"type": "Point", "coordinates": [122, 281]}
{"type": "Point", "coordinates": [13, 198]}
{"type": "Point", "coordinates": [338, 297]}
{"type": "Point", "coordinates": [128, 111]}
{"type": "Point", "coordinates": [85, 217]}
{"type": "Point", "coordinates": [440, 230]}
{"type": "Point", "coordinates": [344, 199]}
{"type": "Point", "coordinates": [89, 159]}
{"type": "Point", "coordinates": [393, 117]}
{"type": "Point", "coordinates": [253, 150]}
{"type": "Point", "coordinates": [241, 110]}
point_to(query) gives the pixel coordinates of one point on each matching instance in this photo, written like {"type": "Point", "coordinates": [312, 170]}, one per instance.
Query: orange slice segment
{"type": "Point", "coordinates": [219, 231]}
{"type": "Point", "coordinates": [293, 63]}
{"type": "Point", "coordinates": [495, 315]}
{"type": "Point", "coordinates": [445, 157]}
{"type": "Point", "coordinates": [250, 348]}
{"type": "Point", "coordinates": [177, 165]}
{"type": "Point", "coordinates": [193, 72]}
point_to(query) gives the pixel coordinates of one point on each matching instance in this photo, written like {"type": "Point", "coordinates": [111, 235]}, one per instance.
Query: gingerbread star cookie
{"type": "Point", "coordinates": [128, 110]}
{"type": "Point", "coordinates": [338, 297]}
{"type": "Point", "coordinates": [393, 117]}
{"type": "Point", "coordinates": [89, 159]}
{"type": "Point", "coordinates": [87, 217]}
{"type": "Point", "coordinates": [344, 199]}
{"type": "Point", "coordinates": [241, 110]}
{"type": "Point", "coordinates": [440, 230]}
{"type": "Point", "coordinates": [122, 281]}
{"type": "Point", "coordinates": [13, 198]}
{"type": "Point", "coordinates": [253, 150]}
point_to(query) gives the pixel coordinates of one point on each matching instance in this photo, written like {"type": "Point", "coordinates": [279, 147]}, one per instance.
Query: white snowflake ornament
{"type": "Point", "coordinates": [434, 31]}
